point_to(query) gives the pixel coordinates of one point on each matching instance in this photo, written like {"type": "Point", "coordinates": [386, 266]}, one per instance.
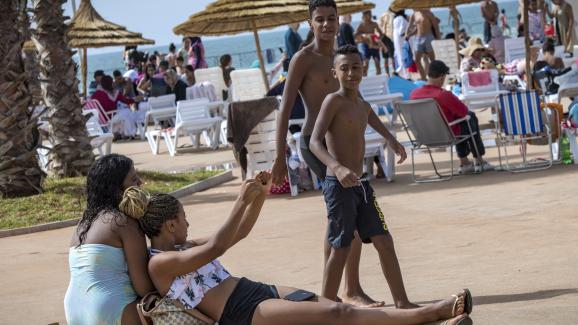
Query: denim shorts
{"type": "Point", "coordinates": [351, 209]}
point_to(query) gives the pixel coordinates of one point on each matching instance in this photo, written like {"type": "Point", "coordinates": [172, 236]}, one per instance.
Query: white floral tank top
{"type": "Point", "coordinates": [190, 288]}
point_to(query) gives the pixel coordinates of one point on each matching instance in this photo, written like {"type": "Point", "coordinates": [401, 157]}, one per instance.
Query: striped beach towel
{"type": "Point", "coordinates": [520, 112]}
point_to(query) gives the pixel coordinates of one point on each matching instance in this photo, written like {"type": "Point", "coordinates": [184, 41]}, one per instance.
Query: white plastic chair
{"type": "Point", "coordinates": [161, 108]}
{"type": "Point", "coordinates": [193, 119]}
{"type": "Point", "coordinates": [515, 48]}
{"type": "Point", "coordinates": [215, 77]}
{"type": "Point", "coordinates": [262, 149]}
{"type": "Point", "coordinates": [104, 117]}
{"type": "Point", "coordinates": [375, 146]}
{"type": "Point", "coordinates": [484, 96]}
{"type": "Point", "coordinates": [247, 85]}
{"type": "Point", "coordinates": [445, 50]}
{"type": "Point", "coordinates": [102, 141]}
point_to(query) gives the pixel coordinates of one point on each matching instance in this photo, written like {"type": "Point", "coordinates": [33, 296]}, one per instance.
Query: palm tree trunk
{"type": "Point", "coordinates": [71, 153]}
{"type": "Point", "coordinates": [20, 173]}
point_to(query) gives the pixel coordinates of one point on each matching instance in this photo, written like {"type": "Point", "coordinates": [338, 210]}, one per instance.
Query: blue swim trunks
{"type": "Point", "coordinates": [350, 209]}
{"type": "Point", "coordinates": [367, 52]}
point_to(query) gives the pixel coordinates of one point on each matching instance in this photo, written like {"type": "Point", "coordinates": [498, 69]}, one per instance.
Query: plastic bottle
{"type": "Point", "coordinates": [565, 149]}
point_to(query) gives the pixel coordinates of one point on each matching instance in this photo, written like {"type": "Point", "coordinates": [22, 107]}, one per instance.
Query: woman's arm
{"type": "Point", "coordinates": [254, 208]}
{"type": "Point", "coordinates": [172, 264]}
{"type": "Point", "coordinates": [135, 252]}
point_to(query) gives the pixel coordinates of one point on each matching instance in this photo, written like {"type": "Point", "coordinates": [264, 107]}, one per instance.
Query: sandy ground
{"type": "Point", "coordinates": [510, 238]}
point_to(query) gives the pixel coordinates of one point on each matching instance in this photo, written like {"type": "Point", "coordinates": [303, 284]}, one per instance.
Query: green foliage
{"type": "Point", "coordinates": [64, 198]}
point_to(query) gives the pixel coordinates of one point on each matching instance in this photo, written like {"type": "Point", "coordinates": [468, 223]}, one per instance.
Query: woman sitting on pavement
{"type": "Point", "coordinates": [189, 272]}
{"type": "Point", "coordinates": [108, 255]}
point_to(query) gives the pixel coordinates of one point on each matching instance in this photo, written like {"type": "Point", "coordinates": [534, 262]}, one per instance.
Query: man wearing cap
{"type": "Point", "coordinates": [473, 54]}
{"type": "Point", "coordinates": [454, 109]}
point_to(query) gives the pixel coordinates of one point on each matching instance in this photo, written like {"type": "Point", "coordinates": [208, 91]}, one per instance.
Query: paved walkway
{"type": "Point", "coordinates": [510, 238]}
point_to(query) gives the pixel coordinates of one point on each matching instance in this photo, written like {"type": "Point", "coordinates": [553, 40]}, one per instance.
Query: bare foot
{"type": "Point", "coordinates": [362, 300]}
{"type": "Point", "coordinates": [452, 307]}
{"type": "Point", "coordinates": [407, 305]}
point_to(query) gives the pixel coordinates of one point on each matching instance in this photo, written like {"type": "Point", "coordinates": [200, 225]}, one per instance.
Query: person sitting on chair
{"type": "Point", "coordinates": [453, 109]}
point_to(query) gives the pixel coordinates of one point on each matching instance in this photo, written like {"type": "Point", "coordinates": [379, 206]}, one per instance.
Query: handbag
{"type": "Point", "coordinates": [166, 311]}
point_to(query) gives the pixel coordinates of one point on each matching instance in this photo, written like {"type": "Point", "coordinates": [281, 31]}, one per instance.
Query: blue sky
{"type": "Point", "coordinates": [156, 19]}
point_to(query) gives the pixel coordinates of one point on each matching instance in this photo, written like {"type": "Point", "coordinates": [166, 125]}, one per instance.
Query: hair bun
{"type": "Point", "coordinates": [134, 202]}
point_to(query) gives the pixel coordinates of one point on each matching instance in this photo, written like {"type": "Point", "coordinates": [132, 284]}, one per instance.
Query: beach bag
{"type": "Point", "coordinates": [165, 311]}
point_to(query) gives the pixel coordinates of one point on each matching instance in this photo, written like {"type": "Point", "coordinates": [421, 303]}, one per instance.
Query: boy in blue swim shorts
{"type": "Point", "coordinates": [350, 200]}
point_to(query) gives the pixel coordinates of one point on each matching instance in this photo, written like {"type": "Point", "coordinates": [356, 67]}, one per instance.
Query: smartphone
{"type": "Point", "coordinates": [300, 295]}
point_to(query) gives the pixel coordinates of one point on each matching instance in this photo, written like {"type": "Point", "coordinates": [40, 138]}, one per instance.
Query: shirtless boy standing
{"type": "Point", "coordinates": [426, 27]}
{"type": "Point", "coordinates": [350, 200]}
{"type": "Point", "coordinates": [364, 34]}
{"type": "Point", "coordinates": [310, 76]}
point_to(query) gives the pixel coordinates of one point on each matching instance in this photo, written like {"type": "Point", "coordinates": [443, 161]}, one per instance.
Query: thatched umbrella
{"type": "Point", "coordinates": [226, 17]}
{"type": "Point", "coordinates": [423, 4]}
{"type": "Point", "coordinates": [89, 30]}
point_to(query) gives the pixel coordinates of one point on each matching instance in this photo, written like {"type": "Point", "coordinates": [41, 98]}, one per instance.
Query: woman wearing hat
{"type": "Point", "coordinates": [473, 54]}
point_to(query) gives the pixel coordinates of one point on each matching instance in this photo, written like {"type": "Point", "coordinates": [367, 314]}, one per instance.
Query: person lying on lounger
{"type": "Point", "coordinates": [191, 268]}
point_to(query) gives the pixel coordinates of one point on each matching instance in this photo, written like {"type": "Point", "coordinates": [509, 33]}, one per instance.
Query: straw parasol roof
{"type": "Point", "coordinates": [225, 17]}
{"type": "Point", "coordinates": [233, 16]}
{"type": "Point", "coordinates": [423, 4]}
{"type": "Point", "coordinates": [89, 30]}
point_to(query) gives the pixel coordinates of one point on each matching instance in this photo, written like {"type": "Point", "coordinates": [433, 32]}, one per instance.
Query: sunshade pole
{"type": "Point", "coordinates": [455, 14]}
{"type": "Point", "coordinates": [527, 42]}
{"type": "Point", "coordinates": [260, 55]}
{"type": "Point", "coordinates": [84, 72]}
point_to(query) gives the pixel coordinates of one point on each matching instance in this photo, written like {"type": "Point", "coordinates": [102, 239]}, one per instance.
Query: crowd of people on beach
{"type": "Point", "coordinates": [147, 76]}
{"type": "Point", "coordinates": [111, 267]}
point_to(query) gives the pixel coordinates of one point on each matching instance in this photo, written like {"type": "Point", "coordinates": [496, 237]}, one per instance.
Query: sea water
{"type": "Point", "coordinates": [242, 47]}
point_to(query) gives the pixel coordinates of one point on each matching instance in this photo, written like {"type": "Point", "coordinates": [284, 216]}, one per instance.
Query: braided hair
{"type": "Point", "coordinates": [104, 184]}
{"type": "Point", "coordinates": [151, 211]}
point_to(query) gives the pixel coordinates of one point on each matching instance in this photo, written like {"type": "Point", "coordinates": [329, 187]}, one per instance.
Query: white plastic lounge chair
{"type": "Point", "coordinates": [520, 120]}
{"type": "Point", "coordinates": [206, 89]}
{"type": "Point", "coordinates": [262, 150]}
{"type": "Point", "coordinates": [102, 141]}
{"type": "Point", "coordinates": [193, 119]}
{"type": "Point", "coordinates": [480, 96]}
{"type": "Point", "coordinates": [247, 85]}
{"type": "Point", "coordinates": [375, 91]}
{"type": "Point", "coordinates": [215, 77]}
{"type": "Point", "coordinates": [515, 48]}
{"type": "Point", "coordinates": [375, 147]}
{"type": "Point", "coordinates": [427, 128]}
{"type": "Point", "coordinates": [445, 50]}
{"type": "Point", "coordinates": [161, 108]}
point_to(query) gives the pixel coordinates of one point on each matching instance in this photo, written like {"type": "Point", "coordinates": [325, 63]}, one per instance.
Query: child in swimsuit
{"type": "Point", "coordinates": [350, 200]}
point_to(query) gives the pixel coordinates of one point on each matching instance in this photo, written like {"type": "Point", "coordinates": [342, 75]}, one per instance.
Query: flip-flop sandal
{"type": "Point", "coordinates": [463, 321]}
{"type": "Point", "coordinates": [468, 303]}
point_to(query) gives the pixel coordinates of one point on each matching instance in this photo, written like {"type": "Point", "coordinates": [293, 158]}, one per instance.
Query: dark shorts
{"type": "Point", "coordinates": [310, 159]}
{"type": "Point", "coordinates": [242, 303]}
{"type": "Point", "coordinates": [351, 209]}
{"type": "Point", "coordinates": [390, 47]}
{"type": "Point", "coordinates": [368, 53]}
